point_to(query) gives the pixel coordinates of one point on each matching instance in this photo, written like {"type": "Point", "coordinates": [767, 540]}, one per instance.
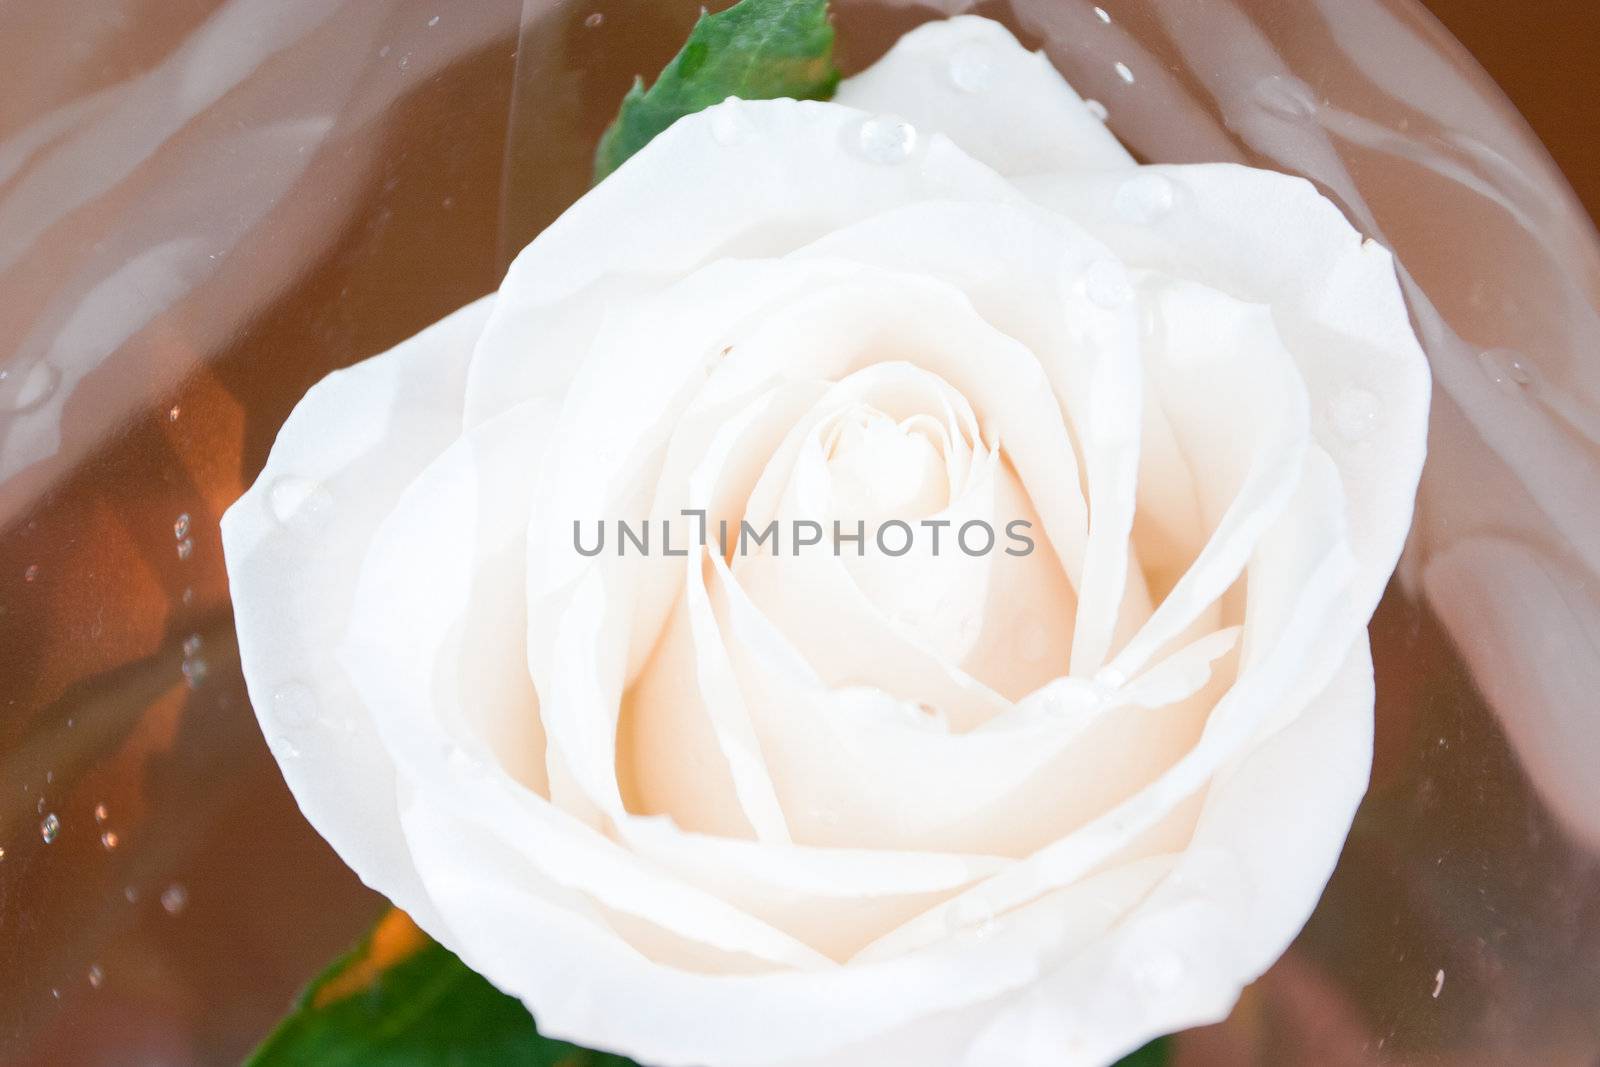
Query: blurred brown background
{"type": "Point", "coordinates": [1543, 54]}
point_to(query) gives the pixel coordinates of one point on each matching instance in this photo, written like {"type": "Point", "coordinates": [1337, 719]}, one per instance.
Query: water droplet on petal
{"type": "Point", "coordinates": [174, 898]}
{"type": "Point", "coordinates": [1144, 199]}
{"type": "Point", "coordinates": [96, 976]}
{"type": "Point", "coordinates": [1125, 72]}
{"type": "Point", "coordinates": [100, 813]}
{"type": "Point", "coordinates": [1110, 678]}
{"type": "Point", "coordinates": [1506, 369]}
{"type": "Point", "coordinates": [1286, 96]}
{"type": "Point", "coordinates": [180, 528]}
{"type": "Point", "coordinates": [1103, 15]}
{"type": "Point", "coordinates": [194, 672]}
{"type": "Point", "coordinates": [130, 894]}
{"type": "Point", "coordinates": [1097, 109]}
{"type": "Point", "coordinates": [31, 574]}
{"type": "Point", "coordinates": [1106, 283]}
{"type": "Point", "coordinates": [173, 413]}
{"type": "Point", "coordinates": [434, 21]}
{"type": "Point", "coordinates": [885, 139]}
{"type": "Point", "coordinates": [49, 827]}
{"type": "Point", "coordinates": [294, 705]}
{"type": "Point", "coordinates": [971, 67]}
{"type": "Point", "coordinates": [185, 548]}
{"type": "Point", "coordinates": [1353, 413]}
{"type": "Point", "coordinates": [594, 20]}
{"type": "Point", "coordinates": [2, 853]}
{"type": "Point", "coordinates": [300, 502]}
{"type": "Point", "coordinates": [191, 644]}
{"type": "Point", "coordinates": [109, 840]}
{"type": "Point", "coordinates": [730, 122]}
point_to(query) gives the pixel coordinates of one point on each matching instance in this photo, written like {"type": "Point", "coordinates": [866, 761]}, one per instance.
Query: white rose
{"type": "Point", "coordinates": [830, 809]}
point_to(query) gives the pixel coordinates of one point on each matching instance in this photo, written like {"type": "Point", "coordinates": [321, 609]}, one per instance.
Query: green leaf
{"type": "Point", "coordinates": [757, 49]}
{"type": "Point", "coordinates": [1155, 1054]}
{"type": "Point", "coordinates": [400, 999]}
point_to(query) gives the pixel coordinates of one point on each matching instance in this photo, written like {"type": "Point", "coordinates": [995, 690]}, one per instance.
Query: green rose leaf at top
{"type": "Point", "coordinates": [757, 50]}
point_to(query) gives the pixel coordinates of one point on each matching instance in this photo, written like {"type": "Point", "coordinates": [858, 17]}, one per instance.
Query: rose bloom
{"type": "Point", "coordinates": [727, 810]}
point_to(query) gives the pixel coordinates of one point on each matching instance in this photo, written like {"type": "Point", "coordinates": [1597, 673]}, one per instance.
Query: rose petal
{"type": "Point", "coordinates": [293, 545]}
{"type": "Point", "coordinates": [1267, 238]}
{"type": "Point", "coordinates": [747, 178]}
{"type": "Point", "coordinates": [969, 78]}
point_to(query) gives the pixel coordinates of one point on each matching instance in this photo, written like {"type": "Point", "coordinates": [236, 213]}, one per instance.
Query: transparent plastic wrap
{"type": "Point", "coordinates": [206, 207]}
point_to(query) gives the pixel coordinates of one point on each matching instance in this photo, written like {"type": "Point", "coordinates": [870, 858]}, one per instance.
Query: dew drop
{"type": "Point", "coordinates": [299, 501]}
{"type": "Point", "coordinates": [885, 139]}
{"type": "Point", "coordinates": [594, 20]}
{"type": "Point", "coordinates": [1097, 109]}
{"type": "Point", "coordinates": [180, 527]}
{"type": "Point", "coordinates": [1144, 199]}
{"type": "Point", "coordinates": [730, 123]}
{"type": "Point", "coordinates": [185, 548]}
{"type": "Point", "coordinates": [1354, 413]}
{"type": "Point", "coordinates": [174, 898]}
{"type": "Point", "coordinates": [49, 827]}
{"type": "Point", "coordinates": [97, 976]}
{"type": "Point", "coordinates": [294, 705]}
{"type": "Point", "coordinates": [24, 391]}
{"type": "Point", "coordinates": [1125, 72]}
{"type": "Point", "coordinates": [1106, 284]}
{"type": "Point", "coordinates": [1286, 96]}
{"type": "Point", "coordinates": [971, 67]}
{"type": "Point", "coordinates": [109, 840]}
{"type": "Point", "coordinates": [1506, 369]}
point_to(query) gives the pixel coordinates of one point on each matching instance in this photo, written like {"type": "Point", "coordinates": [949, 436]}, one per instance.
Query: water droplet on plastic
{"type": "Point", "coordinates": [1103, 15]}
{"type": "Point", "coordinates": [730, 123]}
{"type": "Point", "coordinates": [180, 527]}
{"type": "Point", "coordinates": [49, 827]}
{"type": "Point", "coordinates": [1125, 72]}
{"type": "Point", "coordinates": [594, 20]}
{"type": "Point", "coordinates": [299, 502]}
{"type": "Point", "coordinates": [185, 548]}
{"type": "Point", "coordinates": [1354, 413]}
{"type": "Point", "coordinates": [1286, 96]}
{"type": "Point", "coordinates": [294, 705]}
{"type": "Point", "coordinates": [1097, 109]}
{"type": "Point", "coordinates": [885, 139]}
{"type": "Point", "coordinates": [109, 840]}
{"type": "Point", "coordinates": [25, 390]}
{"type": "Point", "coordinates": [971, 68]}
{"type": "Point", "coordinates": [1144, 199]}
{"type": "Point", "coordinates": [97, 976]}
{"type": "Point", "coordinates": [174, 898]}
{"type": "Point", "coordinates": [1506, 369]}
{"type": "Point", "coordinates": [1106, 283]}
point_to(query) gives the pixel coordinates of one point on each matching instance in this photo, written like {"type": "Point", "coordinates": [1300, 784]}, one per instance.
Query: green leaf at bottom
{"type": "Point", "coordinates": [757, 50]}
{"type": "Point", "coordinates": [400, 999]}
